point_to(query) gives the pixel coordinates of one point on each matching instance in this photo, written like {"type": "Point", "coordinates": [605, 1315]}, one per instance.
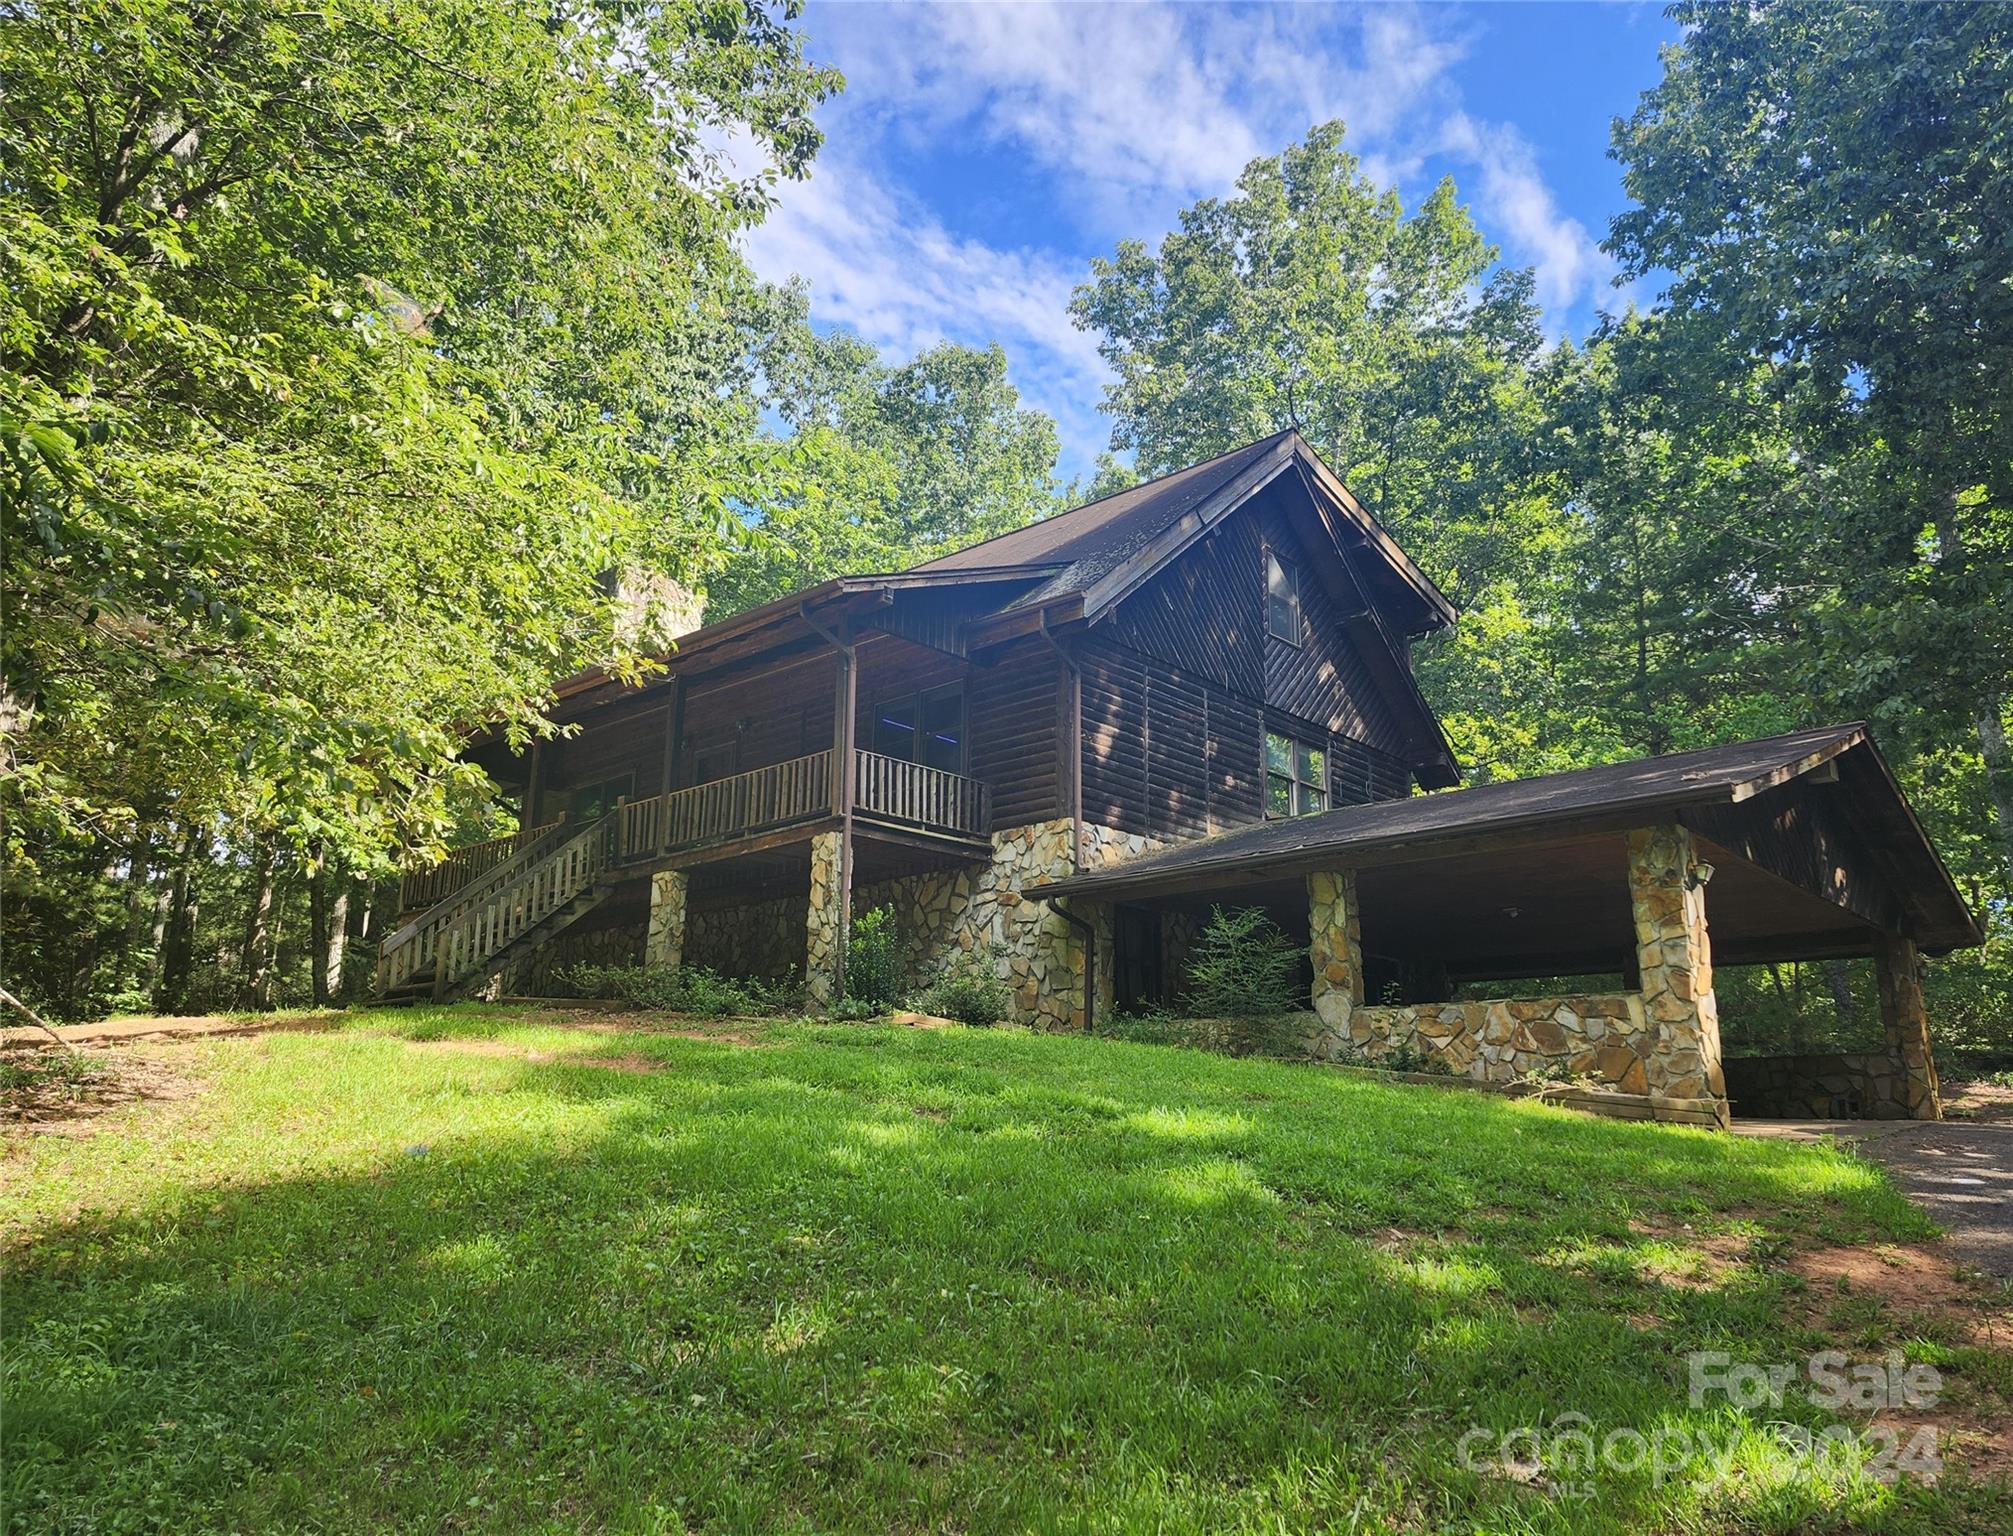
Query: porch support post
{"type": "Point", "coordinates": [1674, 959]}
{"type": "Point", "coordinates": [825, 924]}
{"type": "Point", "coordinates": [1336, 933]}
{"type": "Point", "coordinates": [674, 747]}
{"type": "Point", "coordinates": [1907, 1025]}
{"type": "Point", "coordinates": [534, 784]}
{"type": "Point", "coordinates": [830, 914]}
{"type": "Point", "coordinates": [664, 939]}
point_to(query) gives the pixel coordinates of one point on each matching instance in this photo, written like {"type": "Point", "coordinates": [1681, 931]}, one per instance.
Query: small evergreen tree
{"type": "Point", "coordinates": [1243, 966]}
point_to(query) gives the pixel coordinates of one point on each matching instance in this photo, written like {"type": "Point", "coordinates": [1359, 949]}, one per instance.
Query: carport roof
{"type": "Point", "coordinates": [1611, 796]}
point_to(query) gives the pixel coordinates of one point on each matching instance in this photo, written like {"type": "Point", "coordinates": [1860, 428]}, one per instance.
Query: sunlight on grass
{"type": "Point", "coordinates": [853, 1277]}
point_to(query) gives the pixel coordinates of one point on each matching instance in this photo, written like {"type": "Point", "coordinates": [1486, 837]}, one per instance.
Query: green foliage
{"type": "Point", "coordinates": [885, 465]}
{"type": "Point", "coordinates": [684, 989]}
{"type": "Point", "coordinates": [874, 964]}
{"type": "Point", "coordinates": [1397, 1058]}
{"type": "Point", "coordinates": [342, 350]}
{"type": "Point", "coordinates": [970, 988]}
{"type": "Point", "coordinates": [1243, 966]}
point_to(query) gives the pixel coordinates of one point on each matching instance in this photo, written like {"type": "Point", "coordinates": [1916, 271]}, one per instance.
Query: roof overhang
{"type": "Point", "coordinates": [1493, 837]}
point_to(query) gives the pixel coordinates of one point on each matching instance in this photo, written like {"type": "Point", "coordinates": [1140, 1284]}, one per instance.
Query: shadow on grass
{"type": "Point", "coordinates": [887, 1279]}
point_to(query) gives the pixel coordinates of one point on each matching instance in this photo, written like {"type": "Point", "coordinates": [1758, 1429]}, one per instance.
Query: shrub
{"type": "Point", "coordinates": [1243, 966]}
{"type": "Point", "coordinates": [682, 989]}
{"type": "Point", "coordinates": [969, 989]}
{"type": "Point", "coordinates": [874, 959]}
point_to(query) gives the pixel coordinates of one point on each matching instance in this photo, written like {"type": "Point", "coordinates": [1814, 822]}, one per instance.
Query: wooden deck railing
{"type": "Point", "coordinates": [410, 949]}
{"type": "Point", "coordinates": [763, 799]}
{"type": "Point", "coordinates": [508, 910]}
{"type": "Point", "coordinates": [919, 796]}
{"type": "Point", "coordinates": [423, 887]}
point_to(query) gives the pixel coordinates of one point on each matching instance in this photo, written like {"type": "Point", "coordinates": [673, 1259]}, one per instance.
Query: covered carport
{"type": "Point", "coordinates": [1795, 847]}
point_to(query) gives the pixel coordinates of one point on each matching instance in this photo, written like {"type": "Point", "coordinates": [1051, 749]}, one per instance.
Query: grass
{"type": "Point", "coordinates": [464, 1269]}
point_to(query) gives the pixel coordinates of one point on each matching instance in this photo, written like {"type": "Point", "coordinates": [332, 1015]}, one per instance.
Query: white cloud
{"type": "Point", "coordinates": [880, 265]}
{"type": "Point", "coordinates": [1128, 112]}
{"type": "Point", "coordinates": [1518, 209]}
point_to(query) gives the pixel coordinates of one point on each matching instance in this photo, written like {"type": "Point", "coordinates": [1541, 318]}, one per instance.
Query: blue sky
{"type": "Point", "coordinates": [981, 155]}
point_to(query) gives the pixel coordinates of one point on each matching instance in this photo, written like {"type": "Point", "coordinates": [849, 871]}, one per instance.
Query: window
{"type": "Point", "coordinates": [1296, 776]}
{"type": "Point", "coordinates": [590, 802]}
{"type": "Point", "coordinates": [1282, 600]}
{"type": "Point", "coordinates": [926, 727]}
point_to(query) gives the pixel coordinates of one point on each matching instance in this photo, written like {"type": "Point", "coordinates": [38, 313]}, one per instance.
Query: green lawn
{"type": "Point", "coordinates": [442, 1270]}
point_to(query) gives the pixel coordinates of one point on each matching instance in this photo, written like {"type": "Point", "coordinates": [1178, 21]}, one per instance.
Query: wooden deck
{"type": "Point", "coordinates": [764, 806]}
{"type": "Point", "coordinates": [797, 793]}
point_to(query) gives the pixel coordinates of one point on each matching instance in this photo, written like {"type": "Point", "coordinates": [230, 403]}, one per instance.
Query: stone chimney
{"type": "Point", "coordinates": [652, 610]}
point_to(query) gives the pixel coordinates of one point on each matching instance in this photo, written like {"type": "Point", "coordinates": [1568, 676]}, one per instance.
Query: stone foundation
{"type": "Point", "coordinates": [749, 938]}
{"type": "Point", "coordinates": [824, 938]}
{"type": "Point", "coordinates": [540, 974]}
{"type": "Point", "coordinates": [1849, 1085]}
{"type": "Point", "coordinates": [1907, 1025]}
{"type": "Point", "coordinates": [974, 908]}
{"type": "Point", "coordinates": [1601, 1037]}
{"type": "Point", "coordinates": [1661, 1042]}
{"type": "Point", "coordinates": [1674, 961]}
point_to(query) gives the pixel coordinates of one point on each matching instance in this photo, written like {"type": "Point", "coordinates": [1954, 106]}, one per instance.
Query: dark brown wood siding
{"type": "Point", "coordinates": [1012, 715]}
{"type": "Point", "coordinates": [1323, 679]}
{"type": "Point", "coordinates": [1167, 753]}
{"type": "Point", "coordinates": [1181, 684]}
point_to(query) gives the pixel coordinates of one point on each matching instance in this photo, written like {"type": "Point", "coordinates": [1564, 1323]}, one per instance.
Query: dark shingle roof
{"type": "Point", "coordinates": [1094, 539]}
{"type": "Point", "coordinates": [1361, 833]}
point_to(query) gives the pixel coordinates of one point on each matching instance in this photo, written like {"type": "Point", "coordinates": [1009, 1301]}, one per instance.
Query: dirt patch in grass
{"type": "Point", "coordinates": [58, 1092]}
{"type": "Point", "coordinates": [502, 1048]}
{"type": "Point", "coordinates": [1711, 1257]}
{"type": "Point", "coordinates": [171, 1027]}
{"type": "Point", "coordinates": [1888, 1293]}
{"type": "Point", "coordinates": [1915, 1284]}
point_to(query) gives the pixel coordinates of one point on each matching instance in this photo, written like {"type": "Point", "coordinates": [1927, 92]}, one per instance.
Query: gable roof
{"type": "Point", "coordinates": [1106, 549]}
{"type": "Point", "coordinates": [1078, 564]}
{"type": "Point", "coordinates": [1365, 835]}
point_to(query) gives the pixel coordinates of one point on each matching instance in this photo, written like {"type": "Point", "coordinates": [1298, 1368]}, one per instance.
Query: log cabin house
{"type": "Point", "coordinates": [1059, 748]}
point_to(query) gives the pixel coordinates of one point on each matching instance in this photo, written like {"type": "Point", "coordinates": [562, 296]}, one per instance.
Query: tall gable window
{"type": "Point", "coordinates": [1282, 600]}
{"type": "Point", "coordinates": [1296, 776]}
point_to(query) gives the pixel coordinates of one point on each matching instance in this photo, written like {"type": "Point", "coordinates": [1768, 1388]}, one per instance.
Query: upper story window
{"type": "Point", "coordinates": [1282, 600]}
{"type": "Point", "coordinates": [1296, 776]}
{"type": "Point", "coordinates": [926, 727]}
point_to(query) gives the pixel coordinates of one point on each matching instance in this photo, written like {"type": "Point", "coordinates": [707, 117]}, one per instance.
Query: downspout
{"type": "Point", "coordinates": [1089, 932]}
{"type": "Point", "coordinates": [1073, 736]}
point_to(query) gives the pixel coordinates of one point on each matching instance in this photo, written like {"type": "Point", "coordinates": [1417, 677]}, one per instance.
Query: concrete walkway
{"type": "Point", "coordinates": [1961, 1173]}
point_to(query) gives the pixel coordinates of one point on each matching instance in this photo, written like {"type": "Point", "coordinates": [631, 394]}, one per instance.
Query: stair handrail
{"type": "Point", "coordinates": [427, 925]}
{"type": "Point", "coordinates": [539, 890]}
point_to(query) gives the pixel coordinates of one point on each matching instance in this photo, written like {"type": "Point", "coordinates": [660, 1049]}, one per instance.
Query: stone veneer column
{"type": "Point", "coordinates": [1336, 934]}
{"type": "Point", "coordinates": [1674, 957]}
{"type": "Point", "coordinates": [1907, 1024]}
{"type": "Point", "coordinates": [664, 939]}
{"type": "Point", "coordinates": [821, 923]}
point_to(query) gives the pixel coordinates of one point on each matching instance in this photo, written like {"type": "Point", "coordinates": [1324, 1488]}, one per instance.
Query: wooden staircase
{"type": "Point", "coordinates": [457, 945]}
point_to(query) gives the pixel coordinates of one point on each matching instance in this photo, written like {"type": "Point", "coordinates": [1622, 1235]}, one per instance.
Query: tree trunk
{"type": "Point", "coordinates": [255, 985]}
{"type": "Point", "coordinates": [328, 898]}
{"type": "Point", "coordinates": [178, 946]}
{"type": "Point", "coordinates": [1998, 775]}
{"type": "Point", "coordinates": [337, 954]}
{"type": "Point", "coordinates": [318, 936]}
{"type": "Point", "coordinates": [164, 907]}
